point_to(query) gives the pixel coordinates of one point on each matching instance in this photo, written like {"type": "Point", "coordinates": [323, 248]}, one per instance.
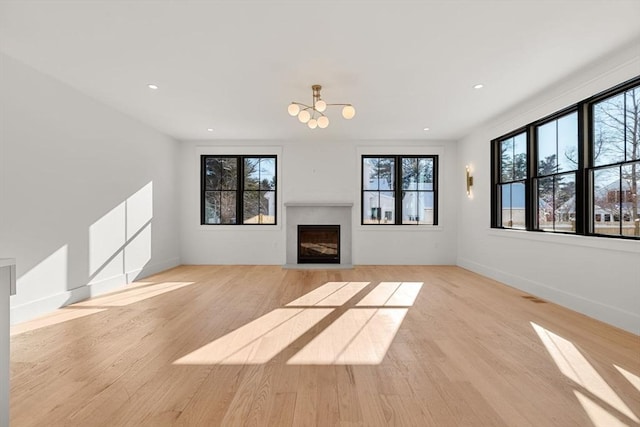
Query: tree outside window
{"type": "Point", "coordinates": [511, 186]}
{"type": "Point", "coordinates": [616, 157]}
{"type": "Point", "coordinates": [556, 150]}
{"type": "Point", "coordinates": [238, 190]}
{"type": "Point", "coordinates": [399, 190]}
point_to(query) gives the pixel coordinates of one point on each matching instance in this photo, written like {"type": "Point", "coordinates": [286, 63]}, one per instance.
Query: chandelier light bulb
{"type": "Point", "coordinates": [304, 116]}
{"type": "Point", "coordinates": [293, 109]}
{"type": "Point", "coordinates": [321, 106]}
{"type": "Point", "coordinates": [323, 122]}
{"type": "Point", "coordinates": [313, 123]}
{"type": "Point", "coordinates": [348, 112]}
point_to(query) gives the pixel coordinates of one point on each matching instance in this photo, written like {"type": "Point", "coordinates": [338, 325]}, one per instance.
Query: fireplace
{"type": "Point", "coordinates": [318, 244]}
{"type": "Point", "coordinates": [301, 213]}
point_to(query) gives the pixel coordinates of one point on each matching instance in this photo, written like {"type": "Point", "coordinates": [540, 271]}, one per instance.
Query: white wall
{"type": "Point", "coordinates": [596, 276]}
{"type": "Point", "coordinates": [87, 193]}
{"type": "Point", "coordinates": [317, 171]}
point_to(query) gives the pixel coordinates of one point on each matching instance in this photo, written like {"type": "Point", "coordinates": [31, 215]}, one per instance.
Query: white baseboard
{"type": "Point", "coordinates": [151, 269]}
{"type": "Point", "coordinates": [603, 312]}
{"type": "Point", "coordinates": [33, 309]}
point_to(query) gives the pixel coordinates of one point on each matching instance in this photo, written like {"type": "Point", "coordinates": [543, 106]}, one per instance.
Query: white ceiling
{"type": "Point", "coordinates": [234, 66]}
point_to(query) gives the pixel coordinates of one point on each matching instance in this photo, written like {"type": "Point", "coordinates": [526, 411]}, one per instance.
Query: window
{"type": "Point", "coordinates": [556, 143]}
{"type": "Point", "coordinates": [616, 159]}
{"type": "Point", "coordinates": [238, 190]}
{"type": "Point", "coordinates": [582, 173]}
{"type": "Point", "coordinates": [400, 190]}
{"type": "Point", "coordinates": [513, 171]}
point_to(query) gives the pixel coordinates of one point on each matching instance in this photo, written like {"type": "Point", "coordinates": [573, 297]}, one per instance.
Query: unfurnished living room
{"type": "Point", "coordinates": [322, 213]}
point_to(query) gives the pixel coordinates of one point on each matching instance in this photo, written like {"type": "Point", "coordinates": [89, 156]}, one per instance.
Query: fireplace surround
{"type": "Point", "coordinates": [318, 213]}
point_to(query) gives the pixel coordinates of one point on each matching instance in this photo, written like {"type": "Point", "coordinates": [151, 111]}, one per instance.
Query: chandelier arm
{"type": "Point", "coordinates": [306, 107]}
{"type": "Point", "coordinates": [329, 105]}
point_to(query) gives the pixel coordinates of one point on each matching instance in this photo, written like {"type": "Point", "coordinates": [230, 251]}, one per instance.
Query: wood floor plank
{"type": "Point", "coordinates": [370, 346]}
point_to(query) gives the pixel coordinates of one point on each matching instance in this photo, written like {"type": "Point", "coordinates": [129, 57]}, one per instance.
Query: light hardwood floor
{"type": "Point", "coordinates": [372, 346]}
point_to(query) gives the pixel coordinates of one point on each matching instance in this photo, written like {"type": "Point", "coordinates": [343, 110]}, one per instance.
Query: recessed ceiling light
{"type": "Point", "coordinates": [426, 129]}
{"type": "Point", "coordinates": [478, 86]}
{"type": "Point", "coordinates": [152, 86]}
{"type": "Point", "coordinates": [210, 129]}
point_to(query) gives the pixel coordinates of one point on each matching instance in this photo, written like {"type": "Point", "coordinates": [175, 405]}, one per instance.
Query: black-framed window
{"type": "Point", "coordinates": [238, 190]}
{"type": "Point", "coordinates": [582, 174]}
{"type": "Point", "coordinates": [554, 186]}
{"type": "Point", "coordinates": [400, 190]}
{"type": "Point", "coordinates": [511, 180]}
{"type": "Point", "coordinates": [615, 175]}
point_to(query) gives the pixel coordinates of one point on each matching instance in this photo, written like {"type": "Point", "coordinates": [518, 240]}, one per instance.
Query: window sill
{"type": "Point", "coordinates": [605, 243]}
{"type": "Point", "coordinates": [401, 228]}
{"type": "Point", "coordinates": [241, 227]}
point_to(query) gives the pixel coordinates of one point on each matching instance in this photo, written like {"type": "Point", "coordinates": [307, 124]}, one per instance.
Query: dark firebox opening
{"type": "Point", "coordinates": [318, 244]}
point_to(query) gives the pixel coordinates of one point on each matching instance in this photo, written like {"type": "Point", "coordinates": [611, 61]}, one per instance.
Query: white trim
{"type": "Point", "coordinates": [403, 228]}
{"type": "Point", "coordinates": [603, 312]}
{"type": "Point", "coordinates": [7, 262]}
{"type": "Point", "coordinates": [23, 312]}
{"type": "Point", "coordinates": [426, 149]}
{"type": "Point", "coordinates": [239, 150]}
{"type": "Point", "coordinates": [240, 227]}
{"type": "Point", "coordinates": [319, 204]}
{"type": "Point", "coordinates": [606, 243]}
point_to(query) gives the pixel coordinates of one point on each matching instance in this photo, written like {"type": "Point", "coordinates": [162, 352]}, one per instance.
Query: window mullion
{"type": "Point", "coordinates": [620, 194]}
{"type": "Point", "coordinates": [496, 212]}
{"type": "Point", "coordinates": [554, 180]}
{"type": "Point", "coordinates": [434, 187]}
{"type": "Point", "coordinates": [584, 216]}
{"type": "Point", "coordinates": [398, 190]}
{"type": "Point", "coordinates": [531, 169]}
{"type": "Point", "coordinates": [203, 178]}
{"type": "Point", "coordinates": [240, 191]}
{"type": "Point", "coordinates": [626, 140]}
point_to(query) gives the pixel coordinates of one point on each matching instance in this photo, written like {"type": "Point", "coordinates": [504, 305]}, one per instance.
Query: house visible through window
{"type": "Point", "coordinates": [399, 190]}
{"type": "Point", "coordinates": [556, 152]}
{"type": "Point", "coordinates": [238, 190]}
{"type": "Point", "coordinates": [577, 171]}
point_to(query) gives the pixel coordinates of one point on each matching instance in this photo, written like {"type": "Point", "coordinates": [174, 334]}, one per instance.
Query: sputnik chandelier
{"type": "Point", "coordinates": [313, 115]}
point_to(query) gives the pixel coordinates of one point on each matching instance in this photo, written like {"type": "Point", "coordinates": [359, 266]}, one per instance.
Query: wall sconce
{"type": "Point", "coordinates": [469, 181]}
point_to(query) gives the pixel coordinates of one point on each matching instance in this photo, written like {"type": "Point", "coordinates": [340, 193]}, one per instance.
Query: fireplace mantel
{"type": "Point", "coordinates": [318, 213]}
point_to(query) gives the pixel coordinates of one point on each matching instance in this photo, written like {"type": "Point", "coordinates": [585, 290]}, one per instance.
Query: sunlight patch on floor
{"type": "Point", "coordinates": [259, 341]}
{"type": "Point", "coordinates": [577, 368]}
{"type": "Point", "coordinates": [396, 294]}
{"type": "Point", "coordinates": [633, 379]}
{"type": "Point", "coordinates": [598, 415]}
{"type": "Point", "coordinates": [330, 294]}
{"type": "Point", "coordinates": [359, 337]}
{"type": "Point", "coordinates": [59, 316]}
{"type": "Point", "coordinates": [132, 295]}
